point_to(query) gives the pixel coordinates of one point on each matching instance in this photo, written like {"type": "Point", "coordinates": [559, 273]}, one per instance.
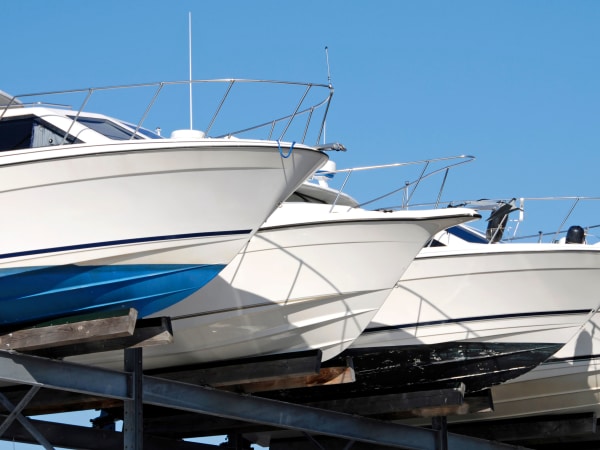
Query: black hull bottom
{"type": "Point", "coordinates": [394, 370]}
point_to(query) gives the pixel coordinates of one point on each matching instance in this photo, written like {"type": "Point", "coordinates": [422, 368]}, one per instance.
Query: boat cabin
{"type": "Point", "coordinates": [23, 127]}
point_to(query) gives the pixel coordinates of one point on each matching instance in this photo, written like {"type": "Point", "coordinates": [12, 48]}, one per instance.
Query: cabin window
{"type": "Point", "coordinates": [29, 132]}
{"type": "Point", "coordinates": [303, 198]}
{"type": "Point", "coordinates": [106, 128]}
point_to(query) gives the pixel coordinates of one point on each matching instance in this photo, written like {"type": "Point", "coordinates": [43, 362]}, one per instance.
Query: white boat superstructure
{"type": "Point", "coordinates": [312, 277]}
{"type": "Point", "coordinates": [100, 214]}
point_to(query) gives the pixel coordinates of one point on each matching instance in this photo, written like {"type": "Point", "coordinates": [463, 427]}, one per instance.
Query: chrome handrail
{"type": "Point", "coordinates": [511, 232]}
{"type": "Point", "coordinates": [299, 109]}
{"type": "Point", "coordinates": [462, 159]}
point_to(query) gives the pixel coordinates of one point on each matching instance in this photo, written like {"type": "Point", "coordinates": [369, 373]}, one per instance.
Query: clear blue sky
{"type": "Point", "coordinates": [514, 83]}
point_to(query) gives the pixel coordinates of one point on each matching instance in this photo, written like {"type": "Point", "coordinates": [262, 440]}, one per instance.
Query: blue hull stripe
{"type": "Point", "coordinates": [123, 242]}
{"type": "Point", "coordinates": [43, 293]}
{"type": "Point", "coordinates": [476, 319]}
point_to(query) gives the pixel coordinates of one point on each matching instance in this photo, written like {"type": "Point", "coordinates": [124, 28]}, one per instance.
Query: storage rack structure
{"type": "Point", "coordinates": [159, 410]}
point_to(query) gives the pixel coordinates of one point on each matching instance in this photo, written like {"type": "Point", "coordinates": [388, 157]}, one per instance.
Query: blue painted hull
{"type": "Point", "coordinates": [36, 294]}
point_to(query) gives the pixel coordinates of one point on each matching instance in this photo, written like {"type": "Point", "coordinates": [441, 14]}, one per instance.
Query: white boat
{"type": "Point", "coordinates": [498, 309]}
{"type": "Point", "coordinates": [312, 277]}
{"type": "Point", "coordinates": [486, 351]}
{"type": "Point", "coordinates": [567, 383]}
{"type": "Point", "coordinates": [99, 214]}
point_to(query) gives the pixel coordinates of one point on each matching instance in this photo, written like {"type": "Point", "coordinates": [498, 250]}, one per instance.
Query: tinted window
{"type": "Point", "coordinates": [29, 132]}
{"type": "Point", "coordinates": [107, 128]}
{"type": "Point", "coordinates": [15, 134]}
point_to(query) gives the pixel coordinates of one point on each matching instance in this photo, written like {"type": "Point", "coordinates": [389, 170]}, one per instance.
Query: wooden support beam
{"type": "Point", "coordinates": [270, 368]}
{"type": "Point", "coordinates": [433, 403]}
{"type": "Point", "coordinates": [326, 376]}
{"type": "Point", "coordinates": [146, 332]}
{"type": "Point", "coordinates": [75, 330]}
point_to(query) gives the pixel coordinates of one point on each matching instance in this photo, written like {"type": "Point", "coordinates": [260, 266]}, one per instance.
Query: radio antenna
{"type": "Point", "coordinates": [328, 72]}
{"type": "Point", "coordinates": [329, 84]}
{"type": "Point", "coordinates": [190, 66]}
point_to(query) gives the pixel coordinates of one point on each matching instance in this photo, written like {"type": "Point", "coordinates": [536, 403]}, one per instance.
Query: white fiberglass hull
{"type": "Point", "coordinates": [132, 223]}
{"type": "Point", "coordinates": [309, 279]}
{"type": "Point", "coordinates": [509, 293]}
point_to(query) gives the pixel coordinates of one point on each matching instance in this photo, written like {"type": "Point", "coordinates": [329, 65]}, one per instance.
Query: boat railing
{"type": "Point", "coordinates": [506, 221]}
{"type": "Point", "coordinates": [299, 113]}
{"type": "Point", "coordinates": [530, 219]}
{"type": "Point", "coordinates": [425, 169]}
{"type": "Point", "coordinates": [576, 210]}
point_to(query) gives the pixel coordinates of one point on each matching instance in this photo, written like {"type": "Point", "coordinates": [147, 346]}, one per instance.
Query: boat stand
{"type": "Point", "coordinates": [179, 404]}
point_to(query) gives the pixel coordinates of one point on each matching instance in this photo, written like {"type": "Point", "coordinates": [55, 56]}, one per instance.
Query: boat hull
{"type": "Point", "coordinates": [567, 383]}
{"type": "Point", "coordinates": [500, 294]}
{"type": "Point", "coordinates": [381, 371]}
{"type": "Point", "coordinates": [300, 284]}
{"type": "Point", "coordinates": [131, 224]}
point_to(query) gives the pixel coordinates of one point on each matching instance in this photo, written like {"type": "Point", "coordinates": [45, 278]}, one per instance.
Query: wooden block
{"type": "Point", "coordinates": [326, 376]}
{"type": "Point", "coordinates": [424, 403]}
{"type": "Point", "coordinates": [147, 332]}
{"type": "Point", "coordinates": [248, 370]}
{"type": "Point", "coordinates": [71, 331]}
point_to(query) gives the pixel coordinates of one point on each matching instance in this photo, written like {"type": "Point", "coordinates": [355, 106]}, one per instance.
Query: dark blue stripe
{"type": "Point", "coordinates": [572, 358]}
{"type": "Point", "coordinates": [478, 318]}
{"type": "Point", "coordinates": [122, 242]}
{"type": "Point", "coordinates": [467, 235]}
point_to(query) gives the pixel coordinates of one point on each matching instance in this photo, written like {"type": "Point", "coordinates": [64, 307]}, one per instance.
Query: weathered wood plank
{"type": "Point", "coordinates": [249, 370]}
{"type": "Point", "coordinates": [72, 332]}
{"type": "Point", "coordinates": [427, 403]}
{"type": "Point", "coordinates": [326, 376]}
{"type": "Point", "coordinates": [147, 332]}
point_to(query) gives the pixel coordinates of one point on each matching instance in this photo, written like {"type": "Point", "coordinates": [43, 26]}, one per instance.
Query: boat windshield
{"type": "Point", "coordinates": [106, 128]}
{"type": "Point", "coordinates": [30, 132]}
{"type": "Point", "coordinates": [467, 235]}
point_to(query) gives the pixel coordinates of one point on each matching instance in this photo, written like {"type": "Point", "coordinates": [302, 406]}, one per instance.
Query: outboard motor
{"type": "Point", "coordinates": [575, 235]}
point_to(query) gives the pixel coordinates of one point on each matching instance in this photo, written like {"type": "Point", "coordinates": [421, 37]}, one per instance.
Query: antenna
{"type": "Point", "coordinates": [329, 83]}
{"type": "Point", "coordinates": [328, 72]}
{"type": "Point", "coordinates": [190, 64]}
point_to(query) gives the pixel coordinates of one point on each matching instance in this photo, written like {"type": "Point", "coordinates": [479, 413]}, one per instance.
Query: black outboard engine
{"type": "Point", "coordinates": [575, 235]}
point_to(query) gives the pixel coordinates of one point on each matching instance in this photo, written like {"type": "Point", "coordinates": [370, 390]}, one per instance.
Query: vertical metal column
{"type": "Point", "coordinates": [133, 419]}
{"type": "Point", "coordinates": [440, 424]}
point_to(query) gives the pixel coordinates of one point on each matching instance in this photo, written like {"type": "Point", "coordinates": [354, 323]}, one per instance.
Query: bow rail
{"type": "Point", "coordinates": [292, 112]}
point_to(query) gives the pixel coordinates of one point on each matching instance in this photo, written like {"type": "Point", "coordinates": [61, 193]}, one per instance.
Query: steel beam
{"type": "Point", "coordinates": [199, 399]}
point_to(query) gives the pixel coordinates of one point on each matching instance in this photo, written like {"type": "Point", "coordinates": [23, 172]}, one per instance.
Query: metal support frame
{"type": "Point", "coordinates": [36, 371]}
{"type": "Point", "coordinates": [15, 413]}
{"type": "Point", "coordinates": [133, 419]}
{"type": "Point", "coordinates": [440, 424]}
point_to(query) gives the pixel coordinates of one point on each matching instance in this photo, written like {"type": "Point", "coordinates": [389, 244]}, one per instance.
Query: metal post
{"type": "Point", "coordinates": [133, 422]}
{"type": "Point", "coordinates": [440, 424]}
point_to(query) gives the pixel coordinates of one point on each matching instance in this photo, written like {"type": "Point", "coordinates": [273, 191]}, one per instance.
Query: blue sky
{"type": "Point", "coordinates": [514, 83]}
